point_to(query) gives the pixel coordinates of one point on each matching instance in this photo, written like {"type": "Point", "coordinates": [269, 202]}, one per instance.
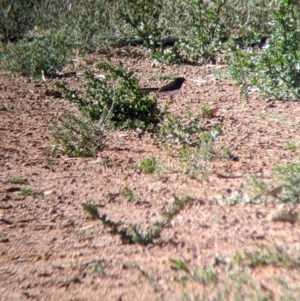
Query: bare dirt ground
{"type": "Point", "coordinates": [51, 250]}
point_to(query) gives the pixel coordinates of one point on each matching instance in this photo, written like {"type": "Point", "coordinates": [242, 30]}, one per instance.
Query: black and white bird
{"type": "Point", "coordinates": [170, 89]}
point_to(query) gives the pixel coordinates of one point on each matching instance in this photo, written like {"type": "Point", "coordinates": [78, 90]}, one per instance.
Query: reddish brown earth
{"type": "Point", "coordinates": [51, 250]}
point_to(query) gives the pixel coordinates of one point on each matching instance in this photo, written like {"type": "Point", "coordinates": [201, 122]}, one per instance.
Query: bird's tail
{"type": "Point", "coordinates": [148, 90]}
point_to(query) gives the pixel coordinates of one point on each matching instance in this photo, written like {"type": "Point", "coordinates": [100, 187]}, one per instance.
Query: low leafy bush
{"type": "Point", "coordinates": [148, 165]}
{"type": "Point", "coordinates": [77, 136]}
{"type": "Point", "coordinates": [116, 92]}
{"type": "Point", "coordinates": [178, 131]}
{"type": "Point", "coordinates": [16, 18]}
{"type": "Point", "coordinates": [48, 54]}
{"type": "Point", "coordinates": [205, 31]}
{"type": "Point", "coordinates": [289, 178]}
{"type": "Point", "coordinates": [276, 70]}
{"type": "Point", "coordinates": [143, 19]}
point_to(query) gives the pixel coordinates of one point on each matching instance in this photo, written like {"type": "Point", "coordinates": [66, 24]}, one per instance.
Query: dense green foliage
{"type": "Point", "coordinates": [47, 55]}
{"type": "Point", "coordinates": [276, 70]}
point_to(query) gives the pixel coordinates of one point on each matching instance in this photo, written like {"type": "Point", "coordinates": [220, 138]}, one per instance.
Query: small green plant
{"type": "Point", "coordinates": [192, 163]}
{"type": "Point", "coordinates": [116, 95]}
{"type": "Point", "coordinates": [128, 194]}
{"type": "Point", "coordinates": [202, 275]}
{"type": "Point", "coordinates": [264, 256]}
{"type": "Point", "coordinates": [133, 234]}
{"type": "Point", "coordinates": [13, 180]}
{"type": "Point", "coordinates": [177, 131]}
{"type": "Point", "coordinates": [91, 210]}
{"type": "Point", "coordinates": [149, 165]}
{"type": "Point", "coordinates": [77, 136]}
{"type": "Point", "coordinates": [287, 189]}
{"type": "Point", "coordinates": [170, 56]}
{"type": "Point", "coordinates": [176, 207]}
{"type": "Point", "coordinates": [206, 111]}
{"type": "Point", "coordinates": [27, 192]}
{"type": "Point", "coordinates": [99, 267]}
{"type": "Point", "coordinates": [226, 154]}
{"type": "Point", "coordinates": [205, 275]}
{"type": "Point", "coordinates": [49, 162]}
{"type": "Point", "coordinates": [178, 264]}
{"type": "Point", "coordinates": [194, 147]}
{"type": "Point", "coordinates": [290, 146]}
{"type": "Point", "coordinates": [259, 190]}
{"type": "Point", "coordinates": [207, 145]}
{"type": "Point", "coordinates": [289, 178]}
{"type": "Point", "coordinates": [235, 198]}
{"type": "Point", "coordinates": [107, 162]}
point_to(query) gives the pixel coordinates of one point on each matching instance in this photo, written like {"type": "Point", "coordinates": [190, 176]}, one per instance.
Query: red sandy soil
{"type": "Point", "coordinates": [51, 250]}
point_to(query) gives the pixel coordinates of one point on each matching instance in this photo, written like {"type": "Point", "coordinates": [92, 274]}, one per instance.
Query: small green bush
{"type": "Point", "coordinates": [48, 54]}
{"type": "Point", "coordinates": [149, 165]}
{"type": "Point", "coordinates": [77, 136]}
{"type": "Point", "coordinates": [289, 177]}
{"type": "Point", "coordinates": [117, 92]}
{"type": "Point", "coordinates": [175, 130]}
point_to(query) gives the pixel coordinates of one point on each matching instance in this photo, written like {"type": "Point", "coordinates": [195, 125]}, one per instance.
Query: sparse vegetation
{"type": "Point", "coordinates": [27, 192]}
{"type": "Point", "coordinates": [290, 146]}
{"type": "Point", "coordinates": [193, 163]}
{"type": "Point", "coordinates": [77, 136]}
{"type": "Point", "coordinates": [137, 215]}
{"type": "Point", "coordinates": [289, 178]}
{"type": "Point", "coordinates": [265, 256]}
{"type": "Point", "coordinates": [132, 233]}
{"type": "Point", "coordinates": [175, 131]}
{"type": "Point", "coordinates": [91, 210]}
{"type": "Point", "coordinates": [128, 194]}
{"type": "Point", "coordinates": [49, 162]}
{"type": "Point", "coordinates": [14, 180]}
{"type": "Point", "coordinates": [99, 267]}
{"type": "Point", "coordinates": [240, 274]}
{"type": "Point", "coordinates": [287, 188]}
{"type": "Point", "coordinates": [148, 165]}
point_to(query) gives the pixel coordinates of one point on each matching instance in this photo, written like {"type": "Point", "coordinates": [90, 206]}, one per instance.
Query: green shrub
{"type": "Point", "coordinates": [117, 92]}
{"type": "Point", "coordinates": [205, 25]}
{"type": "Point", "coordinates": [289, 178]}
{"type": "Point", "coordinates": [205, 30]}
{"type": "Point", "coordinates": [90, 25]}
{"type": "Point", "coordinates": [77, 136]}
{"type": "Point", "coordinates": [143, 18]}
{"type": "Point", "coordinates": [16, 18]}
{"type": "Point", "coordinates": [48, 54]}
{"type": "Point", "coordinates": [175, 130]}
{"type": "Point", "coordinates": [276, 70]}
